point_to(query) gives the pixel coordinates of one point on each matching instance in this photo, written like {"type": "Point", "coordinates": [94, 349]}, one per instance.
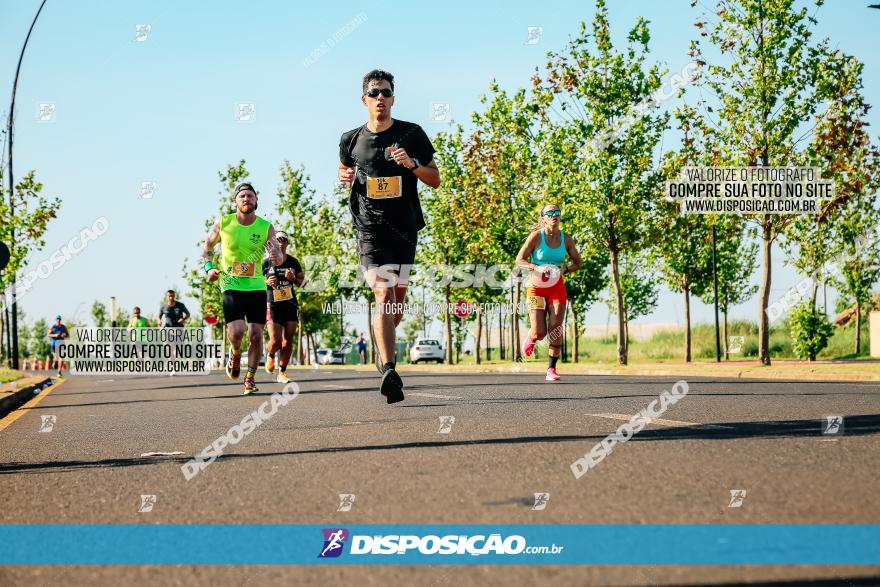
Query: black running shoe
{"type": "Point", "coordinates": [392, 386]}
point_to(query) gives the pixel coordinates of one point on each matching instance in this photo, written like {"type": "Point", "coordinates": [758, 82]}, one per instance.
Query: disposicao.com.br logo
{"type": "Point", "coordinates": [393, 544]}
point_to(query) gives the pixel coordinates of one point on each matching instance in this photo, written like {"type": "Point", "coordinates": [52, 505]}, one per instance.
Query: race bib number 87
{"type": "Point", "coordinates": [383, 187]}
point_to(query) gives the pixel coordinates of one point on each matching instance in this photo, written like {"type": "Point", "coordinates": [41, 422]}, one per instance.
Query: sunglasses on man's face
{"type": "Point", "coordinates": [374, 93]}
{"type": "Point", "coordinates": [553, 213]}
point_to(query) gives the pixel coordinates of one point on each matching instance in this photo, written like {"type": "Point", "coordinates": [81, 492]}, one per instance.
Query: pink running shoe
{"type": "Point", "coordinates": [552, 375]}
{"type": "Point", "coordinates": [528, 347]}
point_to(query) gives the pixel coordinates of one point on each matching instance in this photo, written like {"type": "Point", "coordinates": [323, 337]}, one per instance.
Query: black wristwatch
{"type": "Point", "coordinates": [417, 164]}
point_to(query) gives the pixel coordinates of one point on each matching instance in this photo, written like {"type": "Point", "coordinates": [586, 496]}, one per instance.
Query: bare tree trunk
{"type": "Point", "coordinates": [488, 337]}
{"type": "Point", "coordinates": [516, 348]}
{"type": "Point", "coordinates": [479, 334]}
{"type": "Point", "coordinates": [512, 332]}
{"type": "Point", "coordinates": [501, 334]}
{"type": "Point", "coordinates": [858, 327]}
{"type": "Point", "coordinates": [621, 309]}
{"type": "Point", "coordinates": [299, 341]}
{"type": "Point", "coordinates": [373, 347]}
{"type": "Point", "coordinates": [687, 323]}
{"type": "Point", "coordinates": [448, 320]}
{"type": "Point", "coordinates": [726, 337]}
{"type": "Point", "coordinates": [575, 331]}
{"type": "Point", "coordinates": [763, 320]}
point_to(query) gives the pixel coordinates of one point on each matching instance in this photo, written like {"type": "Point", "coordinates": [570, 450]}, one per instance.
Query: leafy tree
{"type": "Point", "coordinates": [38, 342]}
{"type": "Point", "coordinates": [639, 287]}
{"type": "Point", "coordinates": [770, 81]}
{"type": "Point", "coordinates": [32, 214]}
{"type": "Point", "coordinates": [314, 226]}
{"type": "Point", "coordinates": [736, 258]}
{"type": "Point", "coordinates": [584, 288]}
{"type": "Point", "coordinates": [26, 217]}
{"type": "Point", "coordinates": [810, 330]}
{"type": "Point", "coordinates": [99, 314]}
{"type": "Point", "coordinates": [595, 85]}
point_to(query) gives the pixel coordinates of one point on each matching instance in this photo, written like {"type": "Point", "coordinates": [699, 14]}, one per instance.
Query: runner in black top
{"type": "Point", "coordinates": [283, 307]}
{"type": "Point", "coordinates": [381, 162]}
{"type": "Point", "coordinates": [172, 314]}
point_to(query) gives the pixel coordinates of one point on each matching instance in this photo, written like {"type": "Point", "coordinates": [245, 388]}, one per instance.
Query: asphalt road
{"type": "Point", "coordinates": [513, 435]}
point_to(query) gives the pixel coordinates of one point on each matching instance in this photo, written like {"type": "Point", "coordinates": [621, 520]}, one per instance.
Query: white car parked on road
{"type": "Point", "coordinates": [426, 349]}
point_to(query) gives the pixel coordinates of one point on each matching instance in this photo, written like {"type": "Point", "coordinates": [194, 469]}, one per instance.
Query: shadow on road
{"type": "Point", "coordinates": [853, 426]}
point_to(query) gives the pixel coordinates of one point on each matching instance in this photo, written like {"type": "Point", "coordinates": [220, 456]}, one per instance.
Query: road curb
{"type": "Point", "coordinates": [13, 397]}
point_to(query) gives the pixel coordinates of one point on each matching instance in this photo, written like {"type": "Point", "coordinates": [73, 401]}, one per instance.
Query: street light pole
{"type": "Point", "coordinates": [14, 317]}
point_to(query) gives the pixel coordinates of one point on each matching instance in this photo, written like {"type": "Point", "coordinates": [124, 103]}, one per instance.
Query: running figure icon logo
{"type": "Point", "coordinates": [735, 343]}
{"type": "Point", "coordinates": [334, 540]}
{"type": "Point", "coordinates": [440, 111]}
{"type": "Point", "coordinates": [832, 425]}
{"type": "Point", "coordinates": [141, 32]}
{"type": "Point", "coordinates": [737, 496]}
{"type": "Point", "coordinates": [148, 189]}
{"type": "Point", "coordinates": [47, 423]}
{"type": "Point", "coordinates": [147, 503]}
{"type": "Point", "coordinates": [534, 35]}
{"type": "Point", "coordinates": [245, 112]}
{"type": "Point", "coordinates": [346, 500]}
{"type": "Point", "coordinates": [46, 112]}
{"type": "Point", "coordinates": [541, 500]}
{"type": "Point", "coordinates": [446, 423]}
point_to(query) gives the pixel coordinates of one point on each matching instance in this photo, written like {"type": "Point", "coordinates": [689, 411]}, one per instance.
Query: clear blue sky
{"type": "Point", "coordinates": [163, 109]}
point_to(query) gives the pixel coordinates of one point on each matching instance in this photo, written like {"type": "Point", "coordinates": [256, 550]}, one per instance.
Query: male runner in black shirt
{"type": "Point", "coordinates": [283, 307]}
{"type": "Point", "coordinates": [382, 162]}
{"type": "Point", "coordinates": [172, 314]}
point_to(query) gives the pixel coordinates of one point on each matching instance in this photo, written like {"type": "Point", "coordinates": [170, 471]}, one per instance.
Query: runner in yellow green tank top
{"type": "Point", "coordinates": [244, 238]}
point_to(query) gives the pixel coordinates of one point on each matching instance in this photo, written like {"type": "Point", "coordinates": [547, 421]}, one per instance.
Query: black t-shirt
{"type": "Point", "coordinates": [278, 271]}
{"type": "Point", "coordinates": [172, 314]}
{"type": "Point", "coordinates": [366, 149]}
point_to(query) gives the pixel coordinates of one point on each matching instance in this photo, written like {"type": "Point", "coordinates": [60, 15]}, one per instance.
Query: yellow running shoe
{"type": "Point", "coordinates": [233, 366]}
{"type": "Point", "coordinates": [282, 377]}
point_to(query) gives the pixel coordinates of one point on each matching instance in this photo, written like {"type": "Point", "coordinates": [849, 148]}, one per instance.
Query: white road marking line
{"type": "Point", "coordinates": [105, 380]}
{"type": "Point", "coordinates": [433, 395]}
{"type": "Point", "coordinates": [333, 385]}
{"type": "Point", "coordinates": [660, 421]}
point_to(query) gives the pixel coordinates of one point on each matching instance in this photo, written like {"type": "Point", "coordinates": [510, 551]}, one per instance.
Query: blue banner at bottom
{"type": "Point", "coordinates": [231, 544]}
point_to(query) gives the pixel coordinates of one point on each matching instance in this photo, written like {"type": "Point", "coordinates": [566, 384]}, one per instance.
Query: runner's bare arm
{"type": "Point", "coordinates": [208, 253]}
{"type": "Point", "coordinates": [573, 253]}
{"type": "Point", "coordinates": [211, 241]}
{"type": "Point", "coordinates": [525, 253]}
{"type": "Point", "coordinates": [429, 174]}
{"type": "Point", "coordinates": [275, 252]}
{"type": "Point", "coordinates": [299, 278]}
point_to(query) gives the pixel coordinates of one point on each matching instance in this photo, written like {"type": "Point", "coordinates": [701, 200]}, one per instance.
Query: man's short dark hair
{"type": "Point", "coordinates": [378, 75]}
{"type": "Point", "coordinates": [171, 291]}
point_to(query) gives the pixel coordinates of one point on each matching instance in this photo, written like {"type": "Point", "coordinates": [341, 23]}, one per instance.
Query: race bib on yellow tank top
{"type": "Point", "coordinates": [243, 269]}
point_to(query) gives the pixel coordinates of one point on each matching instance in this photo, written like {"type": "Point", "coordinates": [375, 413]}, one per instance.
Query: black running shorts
{"type": "Point", "coordinates": [240, 305]}
{"type": "Point", "coordinates": [385, 249]}
{"type": "Point", "coordinates": [282, 312]}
